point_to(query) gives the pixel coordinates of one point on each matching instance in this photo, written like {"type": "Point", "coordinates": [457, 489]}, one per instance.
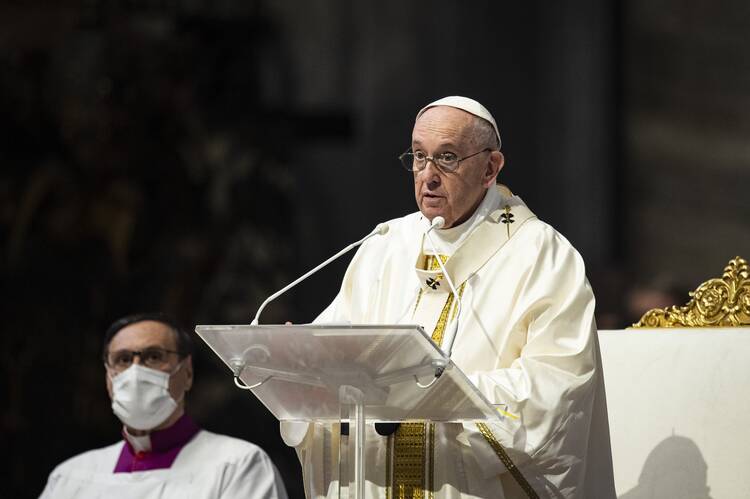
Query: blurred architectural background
{"type": "Point", "coordinates": [193, 156]}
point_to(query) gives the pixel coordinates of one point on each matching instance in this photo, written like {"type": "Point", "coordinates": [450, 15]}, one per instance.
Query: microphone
{"type": "Point", "coordinates": [438, 223]}
{"type": "Point", "coordinates": [380, 230]}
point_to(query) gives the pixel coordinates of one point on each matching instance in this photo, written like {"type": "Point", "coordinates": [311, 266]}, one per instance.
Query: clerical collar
{"type": "Point", "coordinates": [449, 240]}
{"type": "Point", "coordinates": [158, 449]}
{"type": "Point", "coordinates": [139, 443]}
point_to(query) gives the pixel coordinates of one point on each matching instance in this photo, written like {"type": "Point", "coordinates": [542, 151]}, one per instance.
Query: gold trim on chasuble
{"type": "Point", "coordinates": [410, 457]}
{"type": "Point", "coordinates": [507, 461]}
{"type": "Point", "coordinates": [410, 470]}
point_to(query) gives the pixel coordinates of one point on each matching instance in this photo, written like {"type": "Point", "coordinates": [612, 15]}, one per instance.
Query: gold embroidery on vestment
{"type": "Point", "coordinates": [507, 218]}
{"type": "Point", "coordinates": [405, 479]}
{"type": "Point", "coordinates": [431, 468]}
{"type": "Point", "coordinates": [414, 443]}
{"type": "Point", "coordinates": [388, 466]}
{"type": "Point", "coordinates": [437, 334]}
{"type": "Point", "coordinates": [409, 461]}
{"type": "Point", "coordinates": [506, 460]}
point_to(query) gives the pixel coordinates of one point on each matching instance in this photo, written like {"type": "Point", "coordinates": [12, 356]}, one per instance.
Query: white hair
{"type": "Point", "coordinates": [483, 133]}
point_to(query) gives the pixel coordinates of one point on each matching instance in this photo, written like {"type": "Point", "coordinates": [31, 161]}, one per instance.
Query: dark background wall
{"type": "Point", "coordinates": [686, 124]}
{"type": "Point", "coordinates": [546, 72]}
{"type": "Point", "coordinates": [194, 156]}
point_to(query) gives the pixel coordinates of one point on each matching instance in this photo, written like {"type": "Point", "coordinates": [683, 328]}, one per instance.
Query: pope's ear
{"type": "Point", "coordinates": [495, 163]}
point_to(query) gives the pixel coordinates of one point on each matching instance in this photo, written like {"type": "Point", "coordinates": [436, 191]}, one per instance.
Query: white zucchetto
{"type": "Point", "coordinates": [465, 104]}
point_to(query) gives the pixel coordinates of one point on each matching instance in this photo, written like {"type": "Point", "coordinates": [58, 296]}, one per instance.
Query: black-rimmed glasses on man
{"type": "Point", "coordinates": [445, 161]}
{"type": "Point", "coordinates": [153, 357]}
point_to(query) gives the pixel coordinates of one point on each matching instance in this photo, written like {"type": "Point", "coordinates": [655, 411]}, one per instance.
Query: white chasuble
{"type": "Point", "coordinates": [526, 338]}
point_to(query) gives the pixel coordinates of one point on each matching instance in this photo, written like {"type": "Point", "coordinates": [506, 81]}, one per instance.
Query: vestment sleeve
{"type": "Point", "coordinates": [253, 476]}
{"type": "Point", "coordinates": [547, 392]}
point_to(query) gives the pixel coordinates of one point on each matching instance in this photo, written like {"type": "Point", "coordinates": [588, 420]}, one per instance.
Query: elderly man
{"type": "Point", "coordinates": [525, 333]}
{"type": "Point", "coordinates": [164, 453]}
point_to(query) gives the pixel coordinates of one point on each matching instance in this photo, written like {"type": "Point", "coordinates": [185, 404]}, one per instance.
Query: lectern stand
{"type": "Point", "coordinates": [354, 374]}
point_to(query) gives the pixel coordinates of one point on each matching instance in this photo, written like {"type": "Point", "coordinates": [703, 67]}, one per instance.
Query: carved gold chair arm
{"type": "Point", "coordinates": [719, 302]}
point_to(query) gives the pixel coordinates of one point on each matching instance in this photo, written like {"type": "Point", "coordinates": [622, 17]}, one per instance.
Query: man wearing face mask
{"type": "Point", "coordinates": [164, 454]}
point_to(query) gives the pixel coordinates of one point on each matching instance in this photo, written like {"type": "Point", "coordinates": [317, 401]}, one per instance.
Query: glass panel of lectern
{"type": "Point", "coordinates": [348, 373]}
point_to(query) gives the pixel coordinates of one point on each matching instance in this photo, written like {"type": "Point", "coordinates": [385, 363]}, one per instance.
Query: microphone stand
{"type": "Point", "coordinates": [380, 229]}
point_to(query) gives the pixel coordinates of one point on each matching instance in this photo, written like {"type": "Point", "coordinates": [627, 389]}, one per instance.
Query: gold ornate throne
{"type": "Point", "coordinates": [718, 302]}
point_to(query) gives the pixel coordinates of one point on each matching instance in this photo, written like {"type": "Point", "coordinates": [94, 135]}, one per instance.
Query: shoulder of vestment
{"type": "Point", "coordinates": [92, 459]}
{"type": "Point", "coordinates": [540, 241]}
{"type": "Point", "coordinates": [224, 447]}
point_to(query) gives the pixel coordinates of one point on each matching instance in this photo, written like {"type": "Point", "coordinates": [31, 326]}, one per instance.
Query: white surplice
{"type": "Point", "coordinates": [526, 339]}
{"type": "Point", "coordinates": [210, 466]}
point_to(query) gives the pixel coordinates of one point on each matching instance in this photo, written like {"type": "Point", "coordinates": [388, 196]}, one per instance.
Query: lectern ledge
{"type": "Point", "coordinates": [356, 374]}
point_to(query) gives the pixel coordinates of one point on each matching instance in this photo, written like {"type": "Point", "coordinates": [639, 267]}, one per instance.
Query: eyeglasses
{"type": "Point", "coordinates": [153, 357]}
{"type": "Point", "coordinates": [445, 161]}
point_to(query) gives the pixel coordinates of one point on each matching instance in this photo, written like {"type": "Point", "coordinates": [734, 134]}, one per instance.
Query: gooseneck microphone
{"type": "Point", "coordinates": [438, 223]}
{"type": "Point", "coordinates": [380, 230]}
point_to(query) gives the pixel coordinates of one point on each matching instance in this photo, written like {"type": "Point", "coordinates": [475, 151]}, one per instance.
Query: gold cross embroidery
{"type": "Point", "coordinates": [433, 283]}
{"type": "Point", "coordinates": [507, 218]}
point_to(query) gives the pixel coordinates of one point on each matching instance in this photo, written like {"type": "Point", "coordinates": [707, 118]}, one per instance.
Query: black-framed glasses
{"type": "Point", "coordinates": [445, 161]}
{"type": "Point", "coordinates": [153, 357]}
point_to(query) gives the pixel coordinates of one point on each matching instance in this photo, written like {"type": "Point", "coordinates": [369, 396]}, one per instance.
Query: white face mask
{"type": "Point", "coordinates": [141, 398]}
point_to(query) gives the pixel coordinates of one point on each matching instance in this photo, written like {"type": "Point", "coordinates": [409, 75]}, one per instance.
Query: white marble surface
{"type": "Point", "coordinates": [678, 402]}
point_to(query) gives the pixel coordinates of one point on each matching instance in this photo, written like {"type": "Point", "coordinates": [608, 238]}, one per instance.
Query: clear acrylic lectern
{"type": "Point", "coordinates": [352, 373]}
